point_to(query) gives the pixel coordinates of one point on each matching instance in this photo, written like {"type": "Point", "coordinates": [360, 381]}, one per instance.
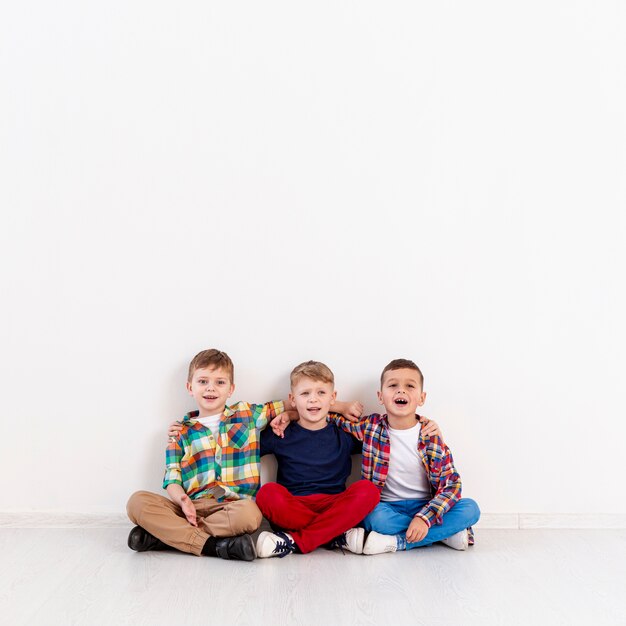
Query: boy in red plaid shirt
{"type": "Point", "coordinates": [419, 486]}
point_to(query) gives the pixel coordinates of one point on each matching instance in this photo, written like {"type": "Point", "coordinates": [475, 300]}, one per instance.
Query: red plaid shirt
{"type": "Point", "coordinates": [435, 455]}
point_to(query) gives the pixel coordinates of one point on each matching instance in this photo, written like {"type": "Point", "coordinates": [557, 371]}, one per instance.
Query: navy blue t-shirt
{"type": "Point", "coordinates": [311, 461]}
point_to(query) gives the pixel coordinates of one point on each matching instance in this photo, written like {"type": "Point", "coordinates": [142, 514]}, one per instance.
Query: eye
{"type": "Point", "coordinates": [322, 393]}
{"type": "Point", "coordinates": [221, 382]}
{"type": "Point", "coordinates": [304, 393]}
{"type": "Point", "coordinates": [393, 385]}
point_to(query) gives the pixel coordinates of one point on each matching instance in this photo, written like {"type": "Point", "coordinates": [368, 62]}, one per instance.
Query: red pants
{"type": "Point", "coordinates": [315, 519]}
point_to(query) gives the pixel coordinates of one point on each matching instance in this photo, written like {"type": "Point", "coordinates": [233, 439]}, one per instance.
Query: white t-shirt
{"type": "Point", "coordinates": [212, 422]}
{"type": "Point", "coordinates": [406, 478]}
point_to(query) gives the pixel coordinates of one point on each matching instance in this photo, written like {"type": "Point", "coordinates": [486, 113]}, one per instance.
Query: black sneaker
{"type": "Point", "coordinates": [239, 548]}
{"type": "Point", "coordinates": [140, 540]}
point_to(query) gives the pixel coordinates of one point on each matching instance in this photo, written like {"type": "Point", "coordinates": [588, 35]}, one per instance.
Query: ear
{"type": "Point", "coordinates": [422, 399]}
{"type": "Point", "coordinates": [232, 388]}
{"type": "Point", "coordinates": [292, 401]}
{"type": "Point", "coordinates": [189, 388]}
{"type": "Point", "coordinates": [380, 397]}
{"type": "Point", "coordinates": [333, 397]}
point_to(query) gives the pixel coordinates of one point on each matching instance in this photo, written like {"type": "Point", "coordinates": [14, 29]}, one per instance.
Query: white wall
{"type": "Point", "coordinates": [345, 181]}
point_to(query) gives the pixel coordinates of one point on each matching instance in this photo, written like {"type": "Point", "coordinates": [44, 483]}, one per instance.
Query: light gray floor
{"type": "Point", "coordinates": [88, 576]}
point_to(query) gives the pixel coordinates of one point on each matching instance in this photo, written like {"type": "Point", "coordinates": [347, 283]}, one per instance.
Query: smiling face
{"type": "Point", "coordinates": [210, 387]}
{"type": "Point", "coordinates": [401, 393]}
{"type": "Point", "coordinates": [312, 399]}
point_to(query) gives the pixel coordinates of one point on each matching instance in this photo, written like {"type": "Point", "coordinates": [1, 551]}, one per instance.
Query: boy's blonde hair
{"type": "Point", "coordinates": [211, 358]}
{"type": "Point", "coordinates": [313, 370]}
{"type": "Point", "coordinates": [401, 364]}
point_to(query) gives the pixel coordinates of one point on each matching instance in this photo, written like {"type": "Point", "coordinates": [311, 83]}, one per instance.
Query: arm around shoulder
{"type": "Point", "coordinates": [355, 428]}
{"type": "Point", "coordinates": [264, 414]}
{"type": "Point", "coordinates": [350, 410]}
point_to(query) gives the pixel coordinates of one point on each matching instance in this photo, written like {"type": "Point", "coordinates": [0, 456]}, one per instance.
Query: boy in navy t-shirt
{"type": "Point", "coordinates": [310, 502]}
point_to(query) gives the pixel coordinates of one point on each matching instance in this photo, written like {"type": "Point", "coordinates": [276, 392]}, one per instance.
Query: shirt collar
{"type": "Point", "coordinates": [192, 416]}
{"type": "Point", "coordinates": [385, 419]}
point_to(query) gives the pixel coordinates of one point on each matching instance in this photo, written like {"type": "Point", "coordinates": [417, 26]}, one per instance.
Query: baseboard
{"type": "Point", "coordinates": [522, 521]}
{"type": "Point", "coordinates": [55, 519]}
{"type": "Point", "coordinates": [498, 520]}
{"type": "Point", "coordinates": [537, 520]}
{"type": "Point", "coordinates": [529, 521]}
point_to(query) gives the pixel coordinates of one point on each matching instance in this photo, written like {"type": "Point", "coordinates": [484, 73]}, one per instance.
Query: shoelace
{"type": "Point", "coordinates": [284, 547]}
{"type": "Point", "coordinates": [339, 542]}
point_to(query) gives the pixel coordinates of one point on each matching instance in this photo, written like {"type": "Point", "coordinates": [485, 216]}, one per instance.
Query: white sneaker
{"type": "Point", "coordinates": [355, 537]}
{"type": "Point", "coordinates": [351, 540]}
{"type": "Point", "coordinates": [458, 541]}
{"type": "Point", "coordinates": [274, 544]}
{"type": "Point", "coordinates": [376, 543]}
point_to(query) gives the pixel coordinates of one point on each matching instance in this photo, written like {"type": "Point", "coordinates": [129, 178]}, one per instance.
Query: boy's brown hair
{"type": "Point", "coordinates": [211, 358]}
{"type": "Point", "coordinates": [401, 364]}
{"type": "Point", "coordinates": [313, 370]}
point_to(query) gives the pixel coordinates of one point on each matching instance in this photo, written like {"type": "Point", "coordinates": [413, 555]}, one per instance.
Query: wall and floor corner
{"type": "Point", "coordinates": [346, 182]}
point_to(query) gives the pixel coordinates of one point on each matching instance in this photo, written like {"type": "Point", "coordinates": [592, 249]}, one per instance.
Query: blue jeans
{"type": "Point", "coordinates": [393, 518]}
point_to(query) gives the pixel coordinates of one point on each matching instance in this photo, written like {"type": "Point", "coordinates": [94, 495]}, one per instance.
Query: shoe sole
{"type": "Point", "coordinates": [140, 540]}
{"type": "Point", "coordinates": [132, 539]}
{"type": "Point", "coordinates": [259, 541]}
{"type": "Point", "coordinates": [360, 541]}
{"type": "Point", "coordinates": [461, 548]}
{"type": "Point", "coordinates": [464, 544]}
{"type": "Point", "coordinates": [368, 549]}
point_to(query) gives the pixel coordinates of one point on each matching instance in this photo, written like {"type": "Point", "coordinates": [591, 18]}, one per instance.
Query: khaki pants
{"type": "Point", "coordinates": [166, 520]}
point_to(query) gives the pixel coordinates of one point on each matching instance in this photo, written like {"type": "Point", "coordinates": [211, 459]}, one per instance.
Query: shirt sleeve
{"type": "Point", "coordinates": [448, 490]}
{"type": "Point", "coordinates": [356, 429]}
{"type": "Point", "coordinates": [173, 456]}
{"type": "Point", "coordinates": [357, 446]}
{"type": "Point", "coordinates": [267, 441]}
{"type": "Point", "coordinates": [263, 414]}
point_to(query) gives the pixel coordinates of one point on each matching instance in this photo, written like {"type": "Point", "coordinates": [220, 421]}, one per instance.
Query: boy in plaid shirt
{"type": "Point", "coordinates": [420, 489]}
{"type": "Point", "coordinates": [212, 472]}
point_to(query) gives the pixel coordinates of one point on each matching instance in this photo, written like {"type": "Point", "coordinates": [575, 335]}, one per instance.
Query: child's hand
{"type": "Point", "coordinates": [350, 410]}
{"type": "Point", "coordinates": [279, 424]}
{"type": "Point", "coordinates": [188, 509]}
{"type": "Point", "coordinates": [417, 530]}
{"type": "Point", "coordinates": [174, 431]}
{"type": "Point", "coordinates": [430, 428]}
{"type": "Point", "coordinates": [354, 411]}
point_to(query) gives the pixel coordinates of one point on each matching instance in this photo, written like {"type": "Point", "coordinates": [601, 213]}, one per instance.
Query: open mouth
{"type": "Point", "coordinates": [210, 398]}
{"type": "Point", "coordinates": [400, 401]}
{"type": "Point", "coordinates": [314, 410]}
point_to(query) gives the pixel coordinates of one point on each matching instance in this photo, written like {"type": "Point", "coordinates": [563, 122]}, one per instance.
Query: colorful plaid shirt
{"type": "Point", "coordinates": [226, 467]}
{"type": "Point", "coordinates": [435, 455]}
